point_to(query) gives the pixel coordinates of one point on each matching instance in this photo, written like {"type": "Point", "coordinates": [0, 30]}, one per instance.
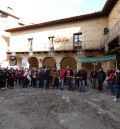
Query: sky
{"type": "Point", "coordinates": [36, 11]}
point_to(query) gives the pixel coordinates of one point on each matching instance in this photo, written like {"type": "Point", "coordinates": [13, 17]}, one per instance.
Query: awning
{"type": "Point", "coordinates": [97, 59]}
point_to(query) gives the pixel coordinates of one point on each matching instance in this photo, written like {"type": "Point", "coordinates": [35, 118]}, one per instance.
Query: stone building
{"type": "Point", "coordinates": [63, 42]}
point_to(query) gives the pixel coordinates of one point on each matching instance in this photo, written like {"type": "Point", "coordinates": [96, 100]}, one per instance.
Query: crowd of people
{"type": "Point", "coordinates": [60, 79]}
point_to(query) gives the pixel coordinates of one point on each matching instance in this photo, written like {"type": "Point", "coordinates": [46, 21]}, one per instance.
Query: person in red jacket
{"type": "Point", "coordinates": [111, 81]}
{"type": "Point", "coordinates": [62, 77]}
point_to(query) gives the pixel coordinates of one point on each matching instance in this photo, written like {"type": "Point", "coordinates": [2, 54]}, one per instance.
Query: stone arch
{"type": "Point", "coordinates": [33, 62]}
{"type": "Point", "coordinates": [68, 61]}
{"type": "Point", "coordinates": [49, 62]}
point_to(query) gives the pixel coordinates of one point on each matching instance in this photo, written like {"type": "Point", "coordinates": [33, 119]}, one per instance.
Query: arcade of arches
{"type": "Point", "coordinates": [52, 62]}
{"type": "Point", "coordinates": [67, 61]}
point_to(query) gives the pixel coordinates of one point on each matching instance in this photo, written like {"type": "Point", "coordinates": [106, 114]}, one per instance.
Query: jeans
{"type": "Point", "coordinates": [94, 82]}
{"type": "Point", "coordinates": [41, 83]}
{"type": "Point", "coordinates": [117, 89]}
{"type": "Point", "coordinates": [62, 84]}
{"type": "Point", "coordinates": [111, 87]}
{"type": "Point", "coordinates": [100, 85]}
{"type": "Point", "coordinates": [46, 83]}
{"type": "Point", "coordinates": [82, 85]}
{"type": "Point", "coordinates": [69, 84]}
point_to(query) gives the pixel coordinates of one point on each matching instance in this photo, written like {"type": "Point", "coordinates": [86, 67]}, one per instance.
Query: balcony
{"type": "Point", "coordinates": [61, 46]}
{"type": "Point", "coordinates": [77, 45]}
{"type": "Point", "coordinates": [87, 45]}
{"type": "Point", "coordinates": [112, 35]}
{"type": "Point", "coordinates": [114, 32]}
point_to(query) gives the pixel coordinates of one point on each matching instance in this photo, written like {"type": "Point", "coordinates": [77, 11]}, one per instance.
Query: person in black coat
{"type": "Point", "coordinates": [101, 79]}
{"type": "Point", "coordinates": [3, 77]}
{"type": "Point", "coordinates": [11, 78]}
{"type": "Point", "coordinates": [47, 77]}
{"type": "Point", "coordinates": [82, 75]}
{"type": "Point", "coordinates": [41, 78]}
{"type": "Point", "coordinates": [94, 76]}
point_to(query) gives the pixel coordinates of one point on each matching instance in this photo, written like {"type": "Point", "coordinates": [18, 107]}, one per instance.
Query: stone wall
{"type": "Point", "coordinates": [92, 31]}
{"type": "Point", "coordinates": [114, 16]}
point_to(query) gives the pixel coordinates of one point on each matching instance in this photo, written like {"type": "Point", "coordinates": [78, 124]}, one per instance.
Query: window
{"type": "Point", "coordinates": [51, 45]}
{"type": "Point", "coordinates": [77, 40]}
{"type": "Point", "coordinates": [30, 40]}
{"type": "Point", "coordinates": [51, 38]}
{"type": "Point", "coordinates": [77, 37]}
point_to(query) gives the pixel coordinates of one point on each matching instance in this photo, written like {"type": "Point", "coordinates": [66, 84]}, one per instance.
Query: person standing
{"type": "Point", "coordinates": [55, 76]}
{"type": "Point", "coordinates": [20, 76]}
{"type": "Point", "coordinates": [62, 78]}
{"type": "Point", "coordinates": [69, 74]}
{"type": "Point", "coordinates": [41, 78]}
{"type": "Point", "coordinates": [101, 79]}
{"type": "Point", "coordinates": [3, 77]}
{"type": "Point", "coordinates": [111, 81]}
{"type": "Point", "coordinates": [94, 76]}
{"type": "Point", "coordinates": [117, 84]}
{"type": "Point", "coordinates": [82, 75]}
{"type": "Point", "coordinates": [25, 79]}
{"type": "Point", "coordinates": [47, 78]}
{"type": "Point", "coordinates": [11, 78]}
{"type": "Point", "coordinates": [34, 77]}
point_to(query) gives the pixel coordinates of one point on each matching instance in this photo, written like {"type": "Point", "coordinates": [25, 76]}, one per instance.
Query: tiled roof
{"type": "Point", "coordinates": [105, 11]}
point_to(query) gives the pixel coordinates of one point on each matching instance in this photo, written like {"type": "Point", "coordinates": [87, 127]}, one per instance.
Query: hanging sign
{"type": "Point", "coordinates": [97, 59]}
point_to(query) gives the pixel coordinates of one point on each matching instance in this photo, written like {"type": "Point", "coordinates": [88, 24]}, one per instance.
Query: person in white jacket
{"type": "Point", "coordinates": [26, 78]}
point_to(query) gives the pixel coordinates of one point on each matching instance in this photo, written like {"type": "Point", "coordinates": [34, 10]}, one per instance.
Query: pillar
{"type": "Point", "coordinates": [58, 59]}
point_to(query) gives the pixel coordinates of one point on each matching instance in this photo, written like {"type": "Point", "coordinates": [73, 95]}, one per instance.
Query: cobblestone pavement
{"type": "Point", "coordinates": [55, 109]}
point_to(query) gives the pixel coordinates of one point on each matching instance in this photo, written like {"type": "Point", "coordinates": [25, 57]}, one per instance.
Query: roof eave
{"type": "Point", "coordinates": [59, 21]}
{"type": "Point", "coordinates": [108, 7]}
{"type": "Point", "coordinates": [105, 12]}
{"type": "Point", "coordinates": [9, 14]}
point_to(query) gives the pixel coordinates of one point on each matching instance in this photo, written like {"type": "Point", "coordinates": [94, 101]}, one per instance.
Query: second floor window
{"type": "Point", "coordinates": [51, 45]}
{"type": "Point", "coordinates": [77, 37]}
{"type": "Point", "coordinates": [30, 41]}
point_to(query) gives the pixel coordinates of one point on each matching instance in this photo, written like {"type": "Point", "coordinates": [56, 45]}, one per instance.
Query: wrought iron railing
{"type": "Point", "coordinates": [63, 46]}
{"type": "Point", "coordinates": [114, 32]}
{"type": "Point", "coordinates": [88, 45]}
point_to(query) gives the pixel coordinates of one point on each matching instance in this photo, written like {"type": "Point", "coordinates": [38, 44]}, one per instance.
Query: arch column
{"type": "Point", "coordinates": [79, 65]}
{"type": "Point", "coordinates": [58, 61]}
